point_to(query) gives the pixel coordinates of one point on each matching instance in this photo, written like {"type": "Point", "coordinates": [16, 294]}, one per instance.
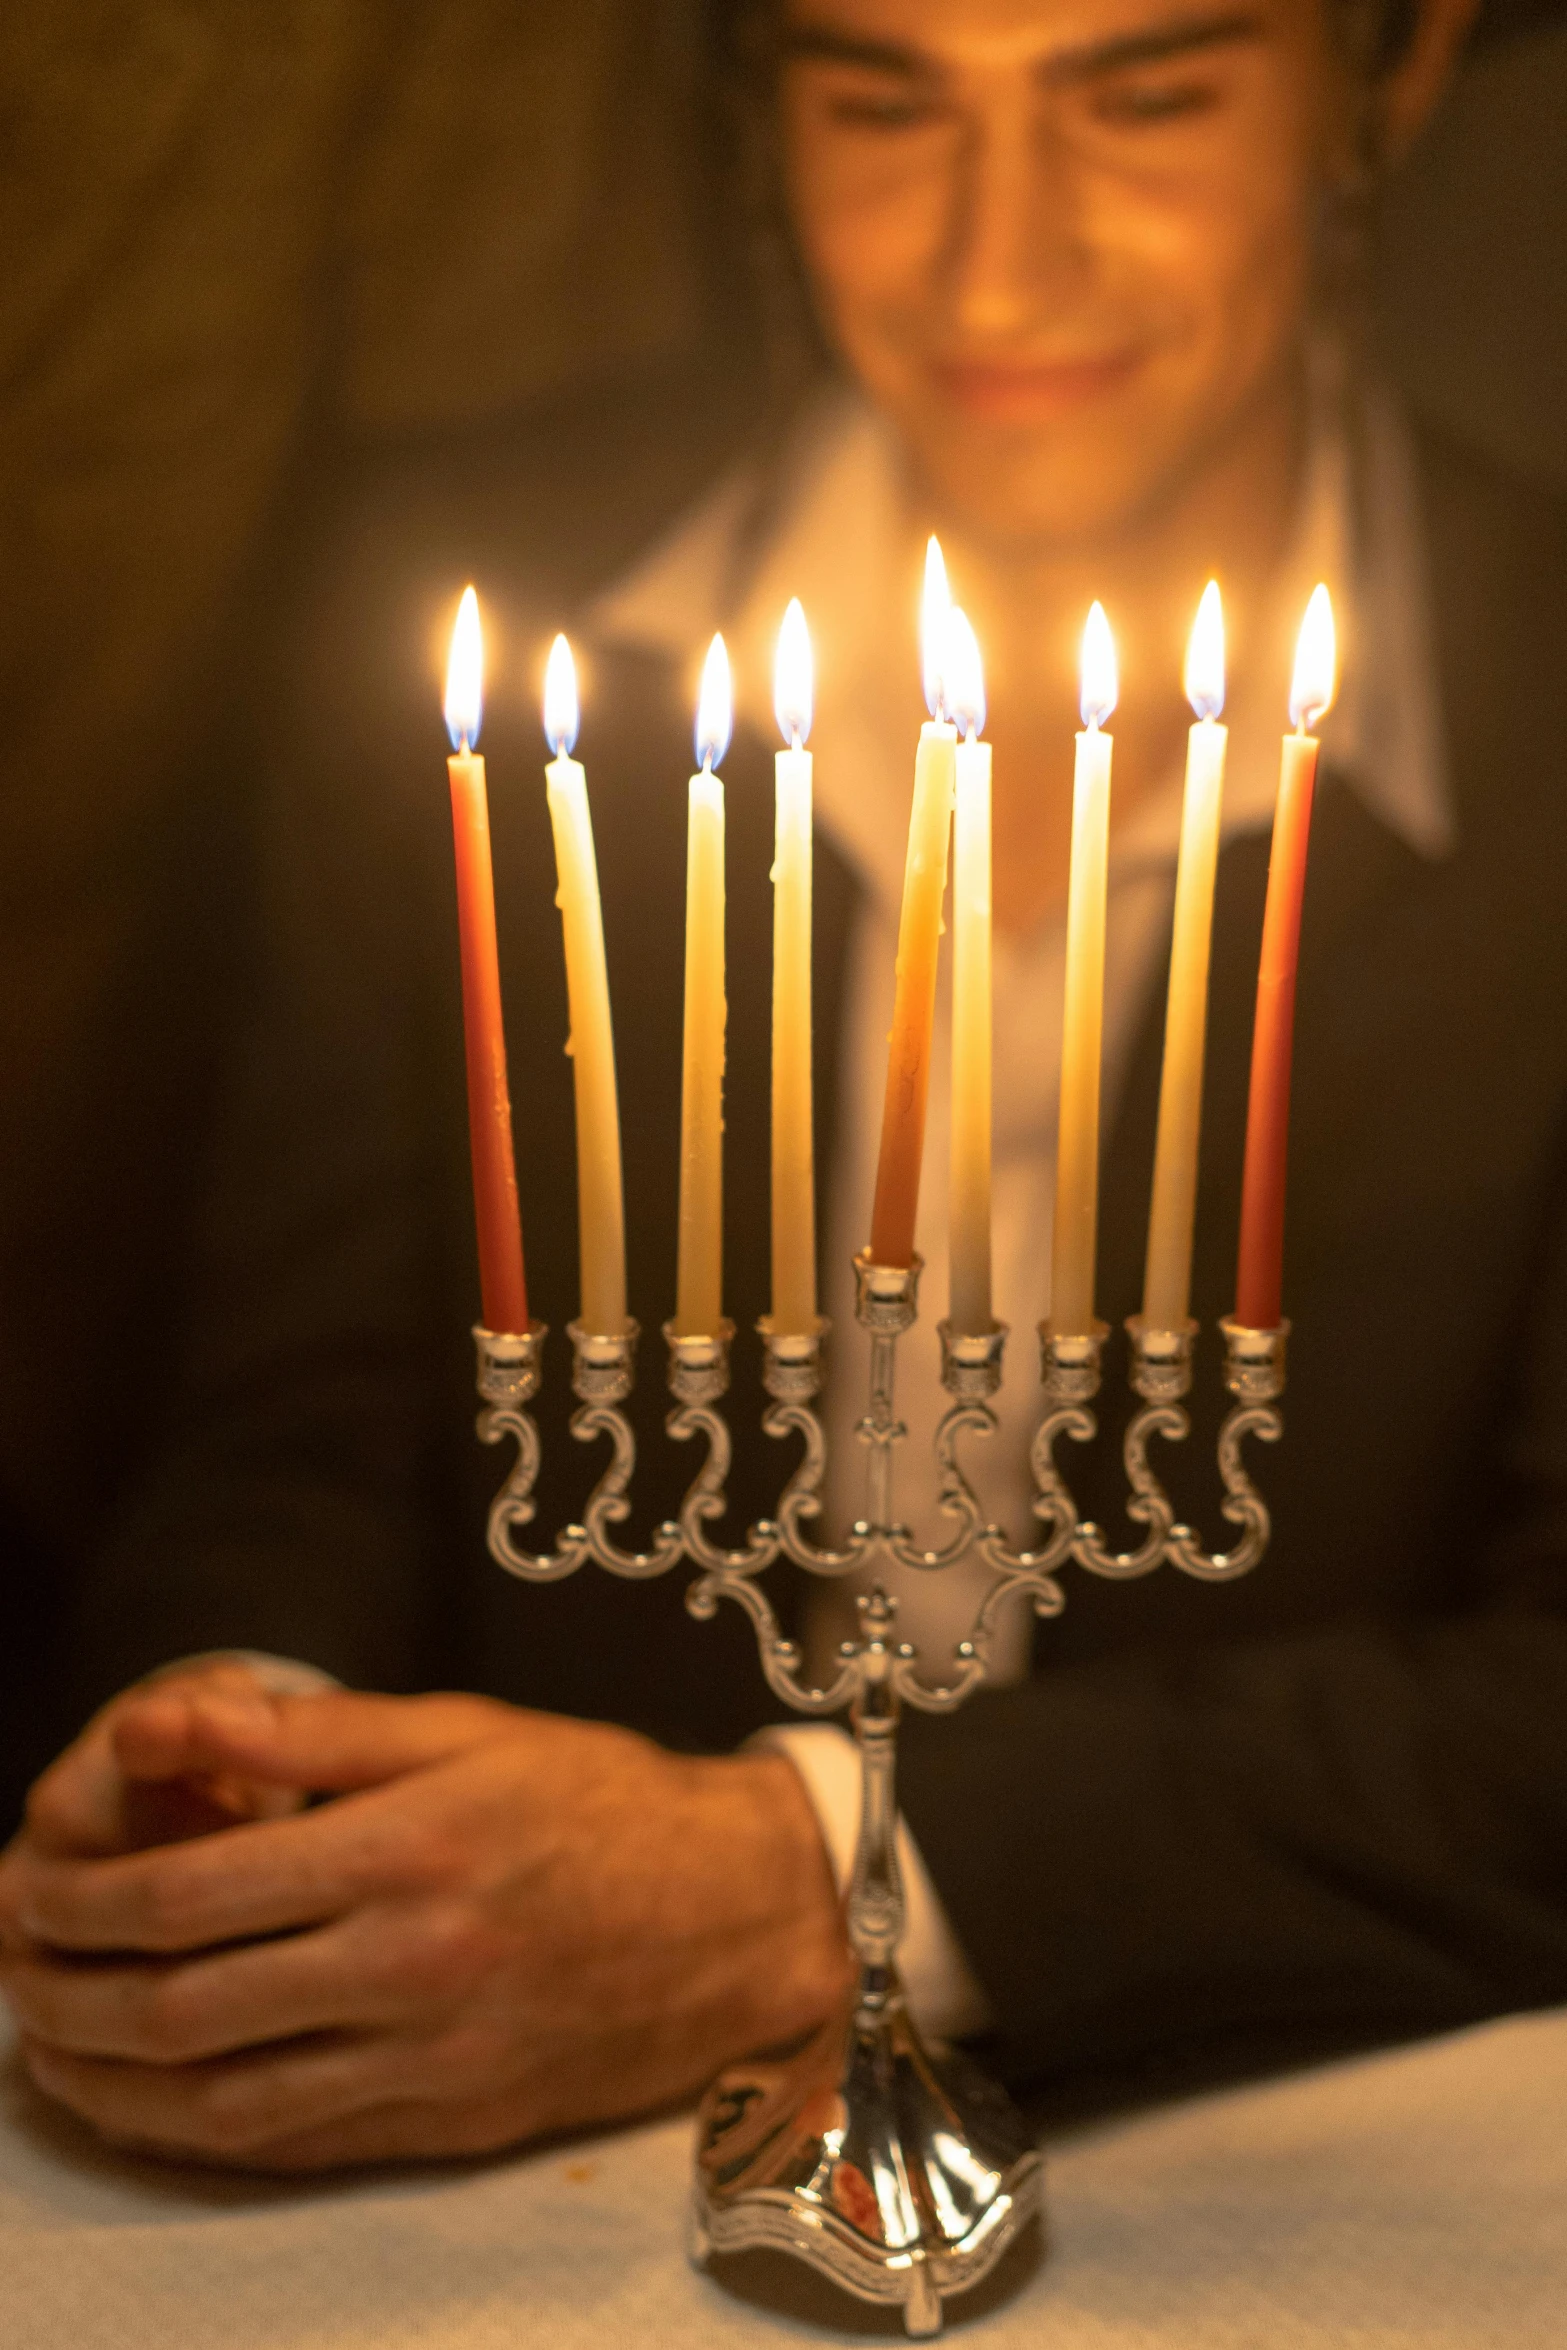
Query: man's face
{"type": "Point", "coordinates": [1062, 243]}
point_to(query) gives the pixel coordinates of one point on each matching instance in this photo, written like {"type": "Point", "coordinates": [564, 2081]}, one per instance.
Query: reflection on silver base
{"type": "Point", "coordinates": [900, 2176]}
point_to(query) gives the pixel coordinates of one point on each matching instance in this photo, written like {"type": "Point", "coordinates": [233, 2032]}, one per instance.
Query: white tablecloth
{"type": "Point", "coordinates": [1416, 2198]}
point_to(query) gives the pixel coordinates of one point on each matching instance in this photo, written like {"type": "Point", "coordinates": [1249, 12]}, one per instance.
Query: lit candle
{"type": "Point", "coordinates": [1260, 1277]}
{"type": "Point", "coordinates": [501, 1284]}
{"type": "Point", "coordinates": [919, 931]}
{"type": "Point", "coordinates": [1168, 1277]}
{"type": "Point", "coordinates": [699, 1275]}
{"type": "Point", "coordinates": [601, 1222]}
{"type": "Point", "coordinates": [1077, 1139]}
{"type": "Point", "coordinates": [794, 1157]}
{"type": "Point", "coordinates": [969, 1310]}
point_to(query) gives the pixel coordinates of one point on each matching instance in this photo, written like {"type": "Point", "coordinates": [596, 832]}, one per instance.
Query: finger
{"type": "Point", "coordinates": [267, 1877]}
{"type": "Point", "coordinates": [157, 1733]}
{"type": "Point", "coordinates": [332, 1741]}
{"type": "Point", "coordinates": [410, 2130]}
{"type": "Point", "coordinates": [82, 1802]}
{"type": "Point", "coordinates": [77, 1805]}
{"type": "Point", "coordinates": [14, 1937]}
{"type": "Point", "coordinates": [379, 1969]}
{"type": "Point", "coordinates": [224, 2109]}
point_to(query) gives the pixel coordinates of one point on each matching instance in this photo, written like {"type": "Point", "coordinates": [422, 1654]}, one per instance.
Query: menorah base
{"type": "Point", "coordinates": [901, 2176]}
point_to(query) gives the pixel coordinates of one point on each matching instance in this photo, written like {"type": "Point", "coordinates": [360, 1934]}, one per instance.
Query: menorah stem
{"type": "Point", "coordinates": [886, 1304]}
{"type": "Point", "coordinates": [881, 1429]}
{"type": "Point", "coordinates": [876, 1887]}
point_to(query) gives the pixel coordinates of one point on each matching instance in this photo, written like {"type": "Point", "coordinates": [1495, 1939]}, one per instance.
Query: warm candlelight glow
{"type": "Point", "coordinates": [1205, 655]}
{"type": "Point", "coordinates": [1316, 664]}
{"type": "Point", "coordinates": [964, 675]}
{"type": "Point", "coordinates": [934, 608]}
{"type": "Point", "coordinates": [562, 714]}
{"type": "Point", "coordinates": [465, 675]}
{"type": "Point", "coordinates": [715, 710]}
{"type": "Point", "coordinates": [793, 677]}
{"type": "Point", "coordinates": [1101, 684]}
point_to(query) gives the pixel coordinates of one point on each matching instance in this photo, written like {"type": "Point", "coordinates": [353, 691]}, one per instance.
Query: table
{"type": "Point", "coordinates": [1417, 2197]}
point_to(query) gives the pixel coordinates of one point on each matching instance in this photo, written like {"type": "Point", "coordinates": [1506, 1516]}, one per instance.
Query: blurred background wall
{"type": "Point", "coordinates": [1470, 276]}
{"type": "Point", "coordinates": [236, 235]}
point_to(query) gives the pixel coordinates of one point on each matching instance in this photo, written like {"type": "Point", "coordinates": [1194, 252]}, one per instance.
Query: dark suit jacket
{"type": "Point", "coordinates": [1331, 1800]}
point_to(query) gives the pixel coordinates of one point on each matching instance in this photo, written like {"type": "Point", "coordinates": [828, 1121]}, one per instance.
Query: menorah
{"type": "Point", "coordinates": [900, 2172]}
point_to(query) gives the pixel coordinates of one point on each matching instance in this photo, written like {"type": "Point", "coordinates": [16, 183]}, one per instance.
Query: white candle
{"type": "Point", "coordinates": [1077, 1144]}
{"type": "Point", "coordinates": [793, 1155]}
{"type": "Point", "coordinates": [601, 1221]}
{"type": "Point", "coordinates": [699, 1273]}
{"type": "Point", "coordinates": [969, 1306]}
{"type": "Point", "coordinates": [1167, 1280]}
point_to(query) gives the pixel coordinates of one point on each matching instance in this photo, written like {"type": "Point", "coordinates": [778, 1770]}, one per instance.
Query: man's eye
{"type": "Point", "coordinates": [880, 110]}
{"type": "Point", "coordinates": [1134, 103]}
{"type": "Point", "coordinates": [879, 113]}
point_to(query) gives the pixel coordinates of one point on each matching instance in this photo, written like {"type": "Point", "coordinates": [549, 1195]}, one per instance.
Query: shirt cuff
{"type": "Point", "coordinates": [938, 1982]}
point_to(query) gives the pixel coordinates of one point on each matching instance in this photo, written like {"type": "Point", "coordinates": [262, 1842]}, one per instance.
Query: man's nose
{"type": "Point", "coordinates": [1016, 234]}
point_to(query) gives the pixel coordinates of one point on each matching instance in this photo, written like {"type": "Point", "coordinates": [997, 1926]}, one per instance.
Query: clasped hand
{"type": "Point", "coordinates": [504, 1923]}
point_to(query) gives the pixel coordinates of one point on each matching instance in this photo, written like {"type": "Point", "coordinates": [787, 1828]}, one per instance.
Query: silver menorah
{"type": "Point", "coordinates": [900, 2172]}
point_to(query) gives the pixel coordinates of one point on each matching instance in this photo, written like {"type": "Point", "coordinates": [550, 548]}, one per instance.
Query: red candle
{"type": "Point", "coordinates": [501, 1284]}
{"type": "Point", "coordinates": [1260, 1276]}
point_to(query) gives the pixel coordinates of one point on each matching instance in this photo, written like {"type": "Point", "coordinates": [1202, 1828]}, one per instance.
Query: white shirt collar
{"type": "Point", "coordinates": [836, 531]}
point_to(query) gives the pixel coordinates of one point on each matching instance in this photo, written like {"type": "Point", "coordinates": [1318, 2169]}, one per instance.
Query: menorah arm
{"type": "Point", "coordinates": [781, 1659]}
{"type": "Point", "coordinates": [514, 1505]}
{"type": "Point", "coordinates": [955, 1496]}
{"type": "Point", "coordinates": [699, 1381]}
{"type": "Point", "coordinates": [1148, 1504]}
{"type": "Point", "coordinates": [510, 1366]}
{"type": "Point", "coordinates": [1069, 1368]}
{"type": "Point", "coordinates": [802, 1496]}
{"type": "Point", "coordinates": [1254, 1375]}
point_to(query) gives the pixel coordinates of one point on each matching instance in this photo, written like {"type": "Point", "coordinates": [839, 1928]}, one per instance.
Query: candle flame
{"type": "Point", "coordinates": [793, 676]}
{"type": "Point", "coordinates": [465, 675]}
{"type": "Point", "coordinates": [1100, 679]}
{"type": "Point", "coordinates": [935, 605]}
{"type": "Point", "coordinates": [965, 674]}
{"type": "Point", "coordinates": [1205, 655]}
{"type": "Point", "coordinates": [1316, 664]}
{"type": "Point", "coordinates": [562, 709]}
{"type": "Point", "coordinates": [715, 715]}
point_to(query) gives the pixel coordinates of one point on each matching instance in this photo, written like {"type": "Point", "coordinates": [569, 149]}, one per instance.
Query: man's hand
{"type": "Point", "coordinates": [507, 1924]}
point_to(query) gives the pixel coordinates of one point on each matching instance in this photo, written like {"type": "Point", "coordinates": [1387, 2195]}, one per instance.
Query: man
{"type": "Point", "coordinates": [1068, 260]}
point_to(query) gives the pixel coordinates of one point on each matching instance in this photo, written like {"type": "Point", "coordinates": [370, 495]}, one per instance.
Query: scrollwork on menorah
{"type": "Point", "coordinates": [888, 2168]}
{"type": "Point", "coordinates": [971, 1373]}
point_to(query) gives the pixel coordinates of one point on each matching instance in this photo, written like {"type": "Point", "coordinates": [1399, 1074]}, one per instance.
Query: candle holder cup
{"type": "Point", "coordinates": [897, 2171]}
